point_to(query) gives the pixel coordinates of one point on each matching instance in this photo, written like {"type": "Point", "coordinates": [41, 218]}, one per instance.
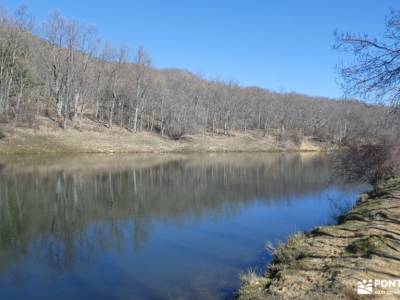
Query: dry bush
{"type": "Point", "coordinates": [370, 162]}
{"type": "Point", "coordinates": [2, 134]}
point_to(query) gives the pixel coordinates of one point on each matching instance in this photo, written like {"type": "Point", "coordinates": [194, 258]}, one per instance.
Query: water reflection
{"type": "Point", "coordinates": [150, 226]}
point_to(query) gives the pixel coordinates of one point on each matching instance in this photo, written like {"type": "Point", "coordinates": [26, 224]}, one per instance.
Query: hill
{"type": "Point", "coordinates": [62, 72]}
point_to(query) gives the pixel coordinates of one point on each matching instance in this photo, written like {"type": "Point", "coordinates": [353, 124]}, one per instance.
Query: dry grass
{"type": "Point", "coordinates": [95, 138]}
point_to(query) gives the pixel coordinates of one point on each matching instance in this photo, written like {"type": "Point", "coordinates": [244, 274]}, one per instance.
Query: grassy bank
{"type": "Point", "coordinates": [328, 262]}
{"type": "Point", "coordinates": [94, 138]}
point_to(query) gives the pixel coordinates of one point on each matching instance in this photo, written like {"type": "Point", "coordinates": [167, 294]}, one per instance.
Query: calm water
{"type": "Point", "coordinates": [153, 227]}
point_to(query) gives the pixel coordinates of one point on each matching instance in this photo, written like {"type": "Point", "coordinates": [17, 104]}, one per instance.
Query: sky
{"type": "Point", "coordinates": [283, 45]}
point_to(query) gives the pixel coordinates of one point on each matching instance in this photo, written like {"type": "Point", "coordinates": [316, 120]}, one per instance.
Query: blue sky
{"type": "Point", "coordinates": [283, 45]}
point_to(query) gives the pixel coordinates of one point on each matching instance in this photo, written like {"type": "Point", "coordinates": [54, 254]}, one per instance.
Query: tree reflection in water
{"type": "Point", "coordinates": [71, 210]}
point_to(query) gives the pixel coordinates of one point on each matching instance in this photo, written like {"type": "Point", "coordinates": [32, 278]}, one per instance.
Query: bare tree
{"type": "Point", "coordinates": [14, 54]}
{"type": "Point", "coordinates": [375, 74]}
{"type": "Point", "coordinates": [376, 69]}
{"type": "Point", "coordinates": [142, 63]}
{"type": "Point", "coordinates": [112, 92]}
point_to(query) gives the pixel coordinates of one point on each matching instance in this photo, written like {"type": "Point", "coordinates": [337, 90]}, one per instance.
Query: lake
{"type": "Point", "coordinates": [170, 226]}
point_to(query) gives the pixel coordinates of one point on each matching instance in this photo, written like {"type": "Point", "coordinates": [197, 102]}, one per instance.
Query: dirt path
{"type": "Point", "coordinates": [329, 262]}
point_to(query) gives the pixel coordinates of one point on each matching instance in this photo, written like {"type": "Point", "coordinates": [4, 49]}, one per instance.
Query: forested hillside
{"type": "Point", "coordinates": [61, 70]}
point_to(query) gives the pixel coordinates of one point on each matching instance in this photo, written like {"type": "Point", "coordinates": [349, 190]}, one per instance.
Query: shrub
{"type": "Point", "coordinates": [2, 134]}
{"type": "Point", "coordinates": [369, 162]}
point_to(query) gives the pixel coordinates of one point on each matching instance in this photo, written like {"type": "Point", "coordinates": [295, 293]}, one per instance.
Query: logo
{"type": "Point", "coordinates": [378, 287]}
{"type": "Point", "coordinates": [365, 287]}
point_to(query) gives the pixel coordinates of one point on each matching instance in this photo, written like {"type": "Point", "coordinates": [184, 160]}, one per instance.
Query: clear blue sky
{"type": "Point", "coordinates": [281, 45]}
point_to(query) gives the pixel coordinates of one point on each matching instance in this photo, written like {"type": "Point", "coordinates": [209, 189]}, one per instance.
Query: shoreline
{"type": "Point", "coordinates": [330, 261]}
{"type": "Point", "coordinates": [95, 139]}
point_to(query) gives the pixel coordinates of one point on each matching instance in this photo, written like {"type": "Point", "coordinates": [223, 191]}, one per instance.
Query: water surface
{"type": "Point", "coordinates": [151, 226]}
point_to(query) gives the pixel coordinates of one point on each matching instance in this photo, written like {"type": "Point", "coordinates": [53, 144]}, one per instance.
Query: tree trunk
{"type": "Point", "coordinates": [76, 103]}
{"type": "Point", "coordinates": [213, 126]}
{"type": "Point", "coordinates": [20, 94]}
{"type": "Point", "coordinates": [66, 114]}
{"type": "Point", "coordinates": [96, 110]}
{"type": "Point", "coordinates": [60, 104]}
{"type": "Point", "coordinates": [152, 121]}
{"type": "Point", "coordinates": [162, 116]}
{"type": "Point", "coordinates": [111, 113]}
{"type": "Point", "coordinates": [135, 119]}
